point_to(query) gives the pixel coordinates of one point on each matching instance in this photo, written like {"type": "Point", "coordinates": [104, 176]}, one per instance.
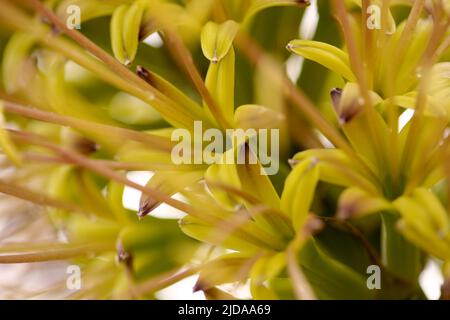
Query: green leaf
{"type": "Point", "coordinates": [399, 256]}
{"type": "Point", "coordinates": [330, 278]}
{"type": "Point", "coordinates": [342, 245]}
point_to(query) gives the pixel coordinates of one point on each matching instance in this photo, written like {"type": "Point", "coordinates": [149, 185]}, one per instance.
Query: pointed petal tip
{"type": "Point", "coordinates": [344, 213]}
{"type": "Point", "coordinates": [336, 94]}
{"type": "Point", "coordinates": [289, 46]}
{"type": "Point", "coordinates": [198, 287]}
{"type": "Point", "coordinates": [313, 225]}
{"type": "Point", "coordinates": [293, 162]}
{"type": "Point", "coordinates": [146, 206]}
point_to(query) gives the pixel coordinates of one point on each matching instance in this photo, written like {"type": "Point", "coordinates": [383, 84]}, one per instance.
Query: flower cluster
{"type": "Point", "coordinates": [94, 90]}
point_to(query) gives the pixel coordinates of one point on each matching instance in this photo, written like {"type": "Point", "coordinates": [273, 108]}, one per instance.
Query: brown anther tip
{"type": "Point", "coordinates": [128, 63]}
{"type": "Point", "coordinates": [344, 213]}
{"type": "Point", "coordinates": [314, 162]}
{"type": "Point", "coordinates": [445, 290]}
{"type": "Point", "coordinates": [146, 206]}
{"type": "Point", "coordinates": [293, 162]}
{"type": "Point", "coordinates": [140, 216]}
{"type": "Point", "coordinates": [313, 225]}
{"type": "Point", "coordinates": [55, 30]}
{"type": "Point", "coordinates": [122, 255]}
{"type": "Point", "coordinates": [85, 146]}
{"type": "Point", "coordinates": [198, 287]}
{"type": "Point", "coordinates": [144, 74]}
{"type": "Point", "coordinates": [304, 2]}
{"type": "Point", "coordinates": [142, 33]}
{"type": "Point", "coordinates": [142, 213]}
{"type": "Point", "coordinates": [348, 112]}
{"type": "Point", "coordinates": [214, 60]}
{"type": "Point", "coordinates": [45, 20]}
{"type": "Point", "coordinates": [336, 94]}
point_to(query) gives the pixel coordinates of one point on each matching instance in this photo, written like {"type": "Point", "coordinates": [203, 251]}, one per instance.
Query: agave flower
{"type": "Point", "coordinates": [389, 169]}
{"type": "Point", "coordinates": [36, 71]}
{"type": "Point", "coordinates": [103, 108]}
{"type": "Point", "coordinates": [365, 167]}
